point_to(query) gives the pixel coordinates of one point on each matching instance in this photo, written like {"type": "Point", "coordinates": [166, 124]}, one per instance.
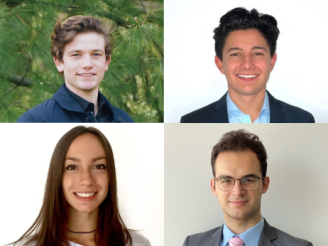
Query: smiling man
{"type": "Point", "coordinates": [81, 48]}
{"type": "Point", "coordinates": [239, 168]}
{"type": "Point", "coordinates": [245, 47]}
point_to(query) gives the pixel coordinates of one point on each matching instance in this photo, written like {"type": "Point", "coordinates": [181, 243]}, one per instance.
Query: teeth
{"type": "Point", "coordinates": [85, 194]}
{"type": "Point", "coordinates": [86, 74]}
{"type": "Point", "coordinates": [247, 76]}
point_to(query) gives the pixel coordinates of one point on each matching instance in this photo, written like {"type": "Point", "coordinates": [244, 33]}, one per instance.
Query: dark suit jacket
{"type": "Point", "coordinates": [270, 236]}
{"type": "Point", "coordinates": [217, 112]}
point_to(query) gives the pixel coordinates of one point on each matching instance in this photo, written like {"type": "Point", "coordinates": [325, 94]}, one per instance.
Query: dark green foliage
{"type": "Point", "coordinates": [134, 81]}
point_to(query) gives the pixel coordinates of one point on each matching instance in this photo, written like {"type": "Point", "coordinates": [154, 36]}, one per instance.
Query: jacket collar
{"type": "Point", "coordinates": [267, 236]}
{"type": "Point", "coordinates": [66, 101]}
{"type": "Point", "coordinates": [221, 115]}
{"type": "Point", "coordinates": [216, 238]}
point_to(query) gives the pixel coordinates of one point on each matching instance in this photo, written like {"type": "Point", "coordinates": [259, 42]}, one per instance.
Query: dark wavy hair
{"type": "Point", "coordinates": [51, 229]}
{"type": "Point", "coordinates": [65, 31]}
{"type": "Point", "coordinates": [240, 140]}
{"type": "Point", "coordinates": [242, 19]}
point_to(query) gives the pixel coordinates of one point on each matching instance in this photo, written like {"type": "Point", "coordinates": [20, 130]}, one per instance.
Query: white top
{"type": "Point", "coordinates": [137, 240]}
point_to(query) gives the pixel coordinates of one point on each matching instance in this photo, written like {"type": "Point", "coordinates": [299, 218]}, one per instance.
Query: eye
{"type": "Point", "coordinates": [97, 54]}
{"type": "Point", "coordinates": [70, 167]}
{"type": "Point", "coordinates": [225, 181]}
{"type": "Point", "coordinates": [249, 180]}
{"type": "Point", "coordinates": [236, 54]}
{"type": "Point", "coordinates": [100, 166]}
{"type": "Point", "coordinates": [258, 54]}
{"type": "Point", "coordinates": [75, 55]}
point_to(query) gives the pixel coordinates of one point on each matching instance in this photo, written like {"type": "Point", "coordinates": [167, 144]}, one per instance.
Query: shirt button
{"type": "Point", "coordinates": [87, 119]}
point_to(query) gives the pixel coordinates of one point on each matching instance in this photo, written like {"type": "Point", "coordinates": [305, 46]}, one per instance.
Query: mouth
{"type": "Point", "coordinates": [85, 196]}
{"type": "Point", "coordinates": [86, 74]}
{"type": "Point", "coordinates": [238, 203]}
{"type": "Point", "coordinates": [247, 76]}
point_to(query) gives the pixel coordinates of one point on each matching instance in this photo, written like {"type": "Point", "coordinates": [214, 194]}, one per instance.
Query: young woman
{"type": "Point", "coordinates": [80, 202]}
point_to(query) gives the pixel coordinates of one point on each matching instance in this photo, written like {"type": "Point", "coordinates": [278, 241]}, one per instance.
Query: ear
{"type": "Point", "coordinates": [107, 62]}
{"type": "Point", "coordinates": [273, 61]}
{"type": "Point", "coordinates": [59, 65]}
{"type": "Point", "coordinates": [219, 64]}
{"type": "Point", "coordinates": [266, 182]}
{"type": "Point", "coordinates": [213, 189]}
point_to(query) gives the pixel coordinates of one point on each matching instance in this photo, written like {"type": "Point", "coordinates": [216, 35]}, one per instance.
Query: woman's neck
{"type": "Point", "coordinates": [82, 222]}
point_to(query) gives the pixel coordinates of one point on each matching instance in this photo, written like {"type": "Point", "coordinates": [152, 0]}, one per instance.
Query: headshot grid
{"type": "Point", "coordinates": [264, 60]}
{"type": "Point", "coordinates": [82, 184]}
{"type": "Point", "coordinates": [216, 186]}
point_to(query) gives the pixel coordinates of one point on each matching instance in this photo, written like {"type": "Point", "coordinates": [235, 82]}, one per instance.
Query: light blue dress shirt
{"type": "Point", "coordinates": [235, 115]}
{"type": "Point", "coordinates": [250, 237]}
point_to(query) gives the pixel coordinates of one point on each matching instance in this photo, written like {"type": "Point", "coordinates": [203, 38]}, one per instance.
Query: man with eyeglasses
{"type": "Point", "coordinates": [239, 168]}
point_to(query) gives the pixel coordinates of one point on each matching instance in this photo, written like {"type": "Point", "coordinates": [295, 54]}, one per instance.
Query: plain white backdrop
{"type": "Point", "coordinates": [192, 80]}
{"type": "Point", "coordinates": [26, 150]}
{"type": "Point", "coordinates": [296, 201]}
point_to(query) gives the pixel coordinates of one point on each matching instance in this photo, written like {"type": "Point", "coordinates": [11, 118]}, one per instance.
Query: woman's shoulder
{"type": "Point", "coordinates": [138, 239]}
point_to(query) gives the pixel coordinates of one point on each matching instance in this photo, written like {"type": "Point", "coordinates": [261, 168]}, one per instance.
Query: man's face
{"type": "Point", "coordinates": [84, 63]}
{"type": "Point", "coordinates": [246, 62]}
{"type": "Point", "coordinates": [239, 203]}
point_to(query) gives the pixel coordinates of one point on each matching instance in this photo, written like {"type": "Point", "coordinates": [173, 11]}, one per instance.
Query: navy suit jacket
{"type": "Point", "coordinates": [270, 236]}
{"type": "Point", "coordinates": [217, 112]}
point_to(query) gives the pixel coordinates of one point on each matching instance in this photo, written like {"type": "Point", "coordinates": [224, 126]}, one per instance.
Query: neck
{"type": "Point", "coordinates": [82, 222]}
{"type": "Point", "coordinates": [90, 96]}
{"type": "Point", "coordinates": [239, 226]}
{"type": "Point", "coordinates": [249, 104]}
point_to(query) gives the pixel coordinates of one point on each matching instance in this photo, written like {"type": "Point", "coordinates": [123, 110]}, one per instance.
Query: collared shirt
{"type": "Point", "coordinates": [235, 115]}
{"type": "Point", "coordinates": [250, 237]}
{"type": "Point", "coordinates": [103, 114]}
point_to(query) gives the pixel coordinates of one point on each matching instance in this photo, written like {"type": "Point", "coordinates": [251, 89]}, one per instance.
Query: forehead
{"type": "Point", "coordinates": [86, 42]}
{"type": "Point", "coordinates": [248, 38]}
{"type": "Point", "coordinates": [237, 164]}
{"type": "Point", "coordinates": [86, 146]}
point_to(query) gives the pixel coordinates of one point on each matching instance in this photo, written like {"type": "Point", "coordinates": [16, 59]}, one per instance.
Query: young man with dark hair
{"type": "Point", "coordinates": [239, 168]}
{"type": "Point", "coordinates": [245, 46]}
{"type": "Point", "coordinates": [81, 48]}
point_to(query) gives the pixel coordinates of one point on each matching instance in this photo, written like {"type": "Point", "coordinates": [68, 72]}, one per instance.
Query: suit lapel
{"type": "Point", "coordinates": [221, 113]}
{"type": "Point", "coordinates": [215, 238]}
{"type": "Point", "coordinates": [267, 235]}
{"type": "Point", "coordinates": [276, 114]}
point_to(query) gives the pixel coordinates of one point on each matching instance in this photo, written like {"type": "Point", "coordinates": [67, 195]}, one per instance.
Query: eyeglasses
{"type": "Point", "coordinates": [248, 183]}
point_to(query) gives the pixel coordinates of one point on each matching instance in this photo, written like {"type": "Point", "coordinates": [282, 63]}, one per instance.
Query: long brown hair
{"type": "Point", "coordinates": [50, 227]}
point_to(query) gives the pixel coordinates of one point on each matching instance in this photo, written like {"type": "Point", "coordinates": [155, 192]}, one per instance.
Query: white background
{"type": "Point", "coordinates": [296, 201]}
{"type": "Point", "coordinates": [192, 80]}
{"type": "Point", "coordinates": [26, 150]}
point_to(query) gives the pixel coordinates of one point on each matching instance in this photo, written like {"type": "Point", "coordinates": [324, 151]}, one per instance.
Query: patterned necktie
{"type": "Point", "coordinates": [236, 241]}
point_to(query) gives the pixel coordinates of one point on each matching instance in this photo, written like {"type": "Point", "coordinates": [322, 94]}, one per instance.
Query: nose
{"type": "Point", "coordinates": [247, 63]}
{"type": "Point", "coordinates": [238, 189]}
{"type": "Point", "coordinates": [87, 62]}
{"type": "Point", "coordinates": [85, 178]}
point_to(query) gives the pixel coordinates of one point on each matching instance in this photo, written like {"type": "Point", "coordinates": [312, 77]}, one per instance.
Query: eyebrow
{"type": "Point", "coordinates": [78, 160]}
{"type": "Point", "coordinates": [77, 51]}
{"type": "Point", "coordinates": [246, 176]}
{"type": "Point", "coordinates": [254, 48]}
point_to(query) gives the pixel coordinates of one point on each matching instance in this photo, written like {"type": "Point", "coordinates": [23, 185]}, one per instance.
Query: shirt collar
{"type": "Point", "coordinates": [233, 109]}
{"type": "Point", "coordinates": [86, 105]}
{"type": "Point", "coordinates": [250, 237]}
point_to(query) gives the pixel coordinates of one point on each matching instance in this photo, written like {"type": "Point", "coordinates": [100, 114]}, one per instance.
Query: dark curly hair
{"type": "Point", "coordinates": [242, 19]}
{"type": "Point", "coordinates": [241, 140]}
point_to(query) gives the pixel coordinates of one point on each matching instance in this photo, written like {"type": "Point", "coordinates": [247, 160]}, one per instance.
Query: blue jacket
{"type": "Point", "coordinates": [63, 108]}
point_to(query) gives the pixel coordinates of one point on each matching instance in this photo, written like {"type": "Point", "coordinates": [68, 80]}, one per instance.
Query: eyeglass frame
{"type": "Point", "coordinates": [234, 182]}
